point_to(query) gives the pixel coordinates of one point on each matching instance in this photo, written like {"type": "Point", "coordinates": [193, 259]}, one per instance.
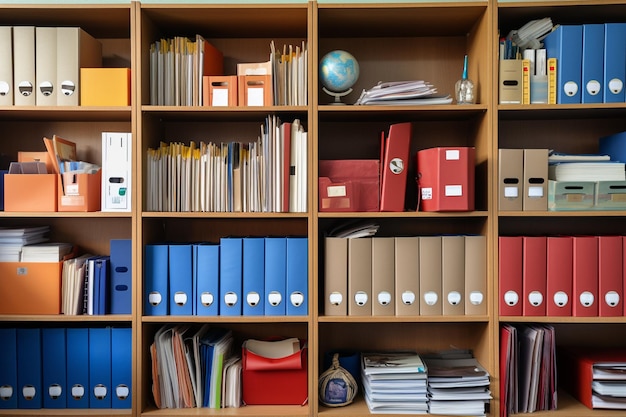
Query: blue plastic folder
{"type": "Point", "coordinates": [100, 367]}
{"type": "Point", "coordinates": [121, 276]}
{"type": "Point", "coordinates": [8, 368]}
{"type": "Point", "coordinates": [253, 276]}
{"type": "Point", "coordinates": [231, 256]}
{"type": "Point", "coordinates": [297, 276]}
{"type": "Point", "coordinates": [181, 280]}
{"type": "Point", "coordinates": [614, 62]}
{"type": "Point", "coordinates": [101, 286]}
{"type": "Point", "coordinates": [29, 382]}
{"type": "Point", "coordinates": [565, 44]}
{"type": "Point", "coordinates": [593, 63]}
{"type": "Point", "coordinates": [121, 368]}
{"type": "Point", "coordinates": [54, 388]}
{"type": "Point", "coordinates": [156, 286]}
{"type": "Point", "coordinates": [206, 279]}
{"type": "Point", "coordinates": [275, 276]}
{"type": "Point", "coordinates": [77, 368]}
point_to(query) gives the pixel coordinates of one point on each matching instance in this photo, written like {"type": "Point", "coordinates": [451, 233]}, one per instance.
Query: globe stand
{"type": "Point", "coordinates": [337, 96]}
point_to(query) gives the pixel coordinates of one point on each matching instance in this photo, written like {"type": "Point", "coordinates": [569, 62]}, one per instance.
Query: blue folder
{"type": "Point", "coordinates": [275, 276]}
{"type": "Point", "coordinates": [121, 367]}
{"type": "Point", "coordinates": [77, 368]}
{"type": "Point", "coordinates": [54, 368]}
{"type": "Point", "coordinates": [206, 279]}
{"type": "Point", "coordinates": [593, 63]}
{"type": "Point", "coordinates": [121, 276]}
{"type": "Point", "coordinates": [614, 62]}
{"type": "Point", "coordinates": [100, 367]}
{"type": "Point", "coordinates": [29, 369]}
{"type": "Point", "coordinates": [8, 368]}
{"type": "Point", "coordinates": [297, 276]}
{"type": "Point", "coordinates": [565, 44]}
{"type": "Point", "coordinates": [181, 280]}
{"type": "Point", "coordinates": [101, 286]}
{"type": "Point", "coordinates": [231, 257]}
{"type": "Point", "coordinates": [253, 276]}
{"type": "Point", "coordinates": [156, 286]}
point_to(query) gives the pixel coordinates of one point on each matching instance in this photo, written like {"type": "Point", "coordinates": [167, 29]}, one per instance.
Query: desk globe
{"type": "Point", "coordinates": [339, 71]}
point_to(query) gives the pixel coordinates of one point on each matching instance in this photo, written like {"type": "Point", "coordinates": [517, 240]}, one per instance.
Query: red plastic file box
{"type": "Point", "coordinates": [267, 381]}
{"type": "Point", "coordinates": [445, 178]}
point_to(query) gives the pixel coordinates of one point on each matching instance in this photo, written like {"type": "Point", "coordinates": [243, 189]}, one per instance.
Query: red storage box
{"type": "Point", "coordinates": [445, 177]}
{"type": "Point", "coordinates": [274, 381]}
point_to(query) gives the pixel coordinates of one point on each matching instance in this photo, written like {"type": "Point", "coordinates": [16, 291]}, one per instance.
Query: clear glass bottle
{"type": "Point", "coordinates": [465, 91]}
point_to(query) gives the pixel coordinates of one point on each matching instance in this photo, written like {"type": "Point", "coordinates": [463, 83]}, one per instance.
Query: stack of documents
{"type": "Point", "coordinates": [46, 252]}
{"type": "Point", "coordinates": [267, 175]}
{"type": "Point", "coordinates": [527, 368]}
{"type": "Point", "coordinates": [408, 93]}
{"type": "Point", "coordinates": [13, 240]}
{"type": "Point", "coordinates": [596, 377]}
{"type": "Point", "coordinates": [587, 171]}
{"type": "Point", "coordinates": [394, 382]}
{"type": "Point", "coordinates": [457, 385]}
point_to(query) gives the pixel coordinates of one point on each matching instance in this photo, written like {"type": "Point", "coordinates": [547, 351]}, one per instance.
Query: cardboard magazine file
{"type": "Point", "coordinates": [30, 287]}
{"type": "Point", "coordinates": [219, 91]}
{"type": "Point", "coordinates": [79, 192]}
{"type": "Point", "coordinates": [349, 185]}
{"type": "Point", "coordinates": [255, 90]}
{"type": "Point", "coordinates": [274, 381]}
{"type": "Point", "coordinates": [105, 87]}
{"type": "Point", "coordinates": [28, 187]}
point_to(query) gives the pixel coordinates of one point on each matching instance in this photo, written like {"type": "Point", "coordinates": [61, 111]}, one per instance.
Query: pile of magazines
{"type": "Point", "coordinates": [408, 93]}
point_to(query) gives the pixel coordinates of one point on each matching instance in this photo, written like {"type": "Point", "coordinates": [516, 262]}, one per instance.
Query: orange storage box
{"type": "Point", "coordinates": [30, 287]}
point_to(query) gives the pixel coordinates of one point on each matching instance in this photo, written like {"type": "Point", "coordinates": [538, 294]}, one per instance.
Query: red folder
{"type": "Point", "coordinates": [534, 275]}
{"type": "Point", "coordinates": [510, 275]}
{"type": "Point", "coordinates": [610, 278]}
{"type": "Point", "coordinates": [446, 179]}
{"type": "Point", "coordinates": [395, 151]}
{"type": "Point", "coordinates": [274, 381]}
{"type": "Point", "coordinates": [585, 276]}
{"type": "Point", "coordinates": [559, 276]}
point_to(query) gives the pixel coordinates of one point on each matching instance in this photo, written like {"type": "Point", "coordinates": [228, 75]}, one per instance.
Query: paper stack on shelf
{"type": "Point", "coordinates": [12, 241]}
{"type": "Point", "coordinates": [457, 384]}
{"type": "Point", "coordinates": [394, 382]}
{"type": "Point", "coordinates": [596, 377]}
{"type": "Point", "coordinates": [46, 252]}
{"type": "Point", "coordinates": [407, 93]}
{"type": "Point", "coordinates": [587, 171]}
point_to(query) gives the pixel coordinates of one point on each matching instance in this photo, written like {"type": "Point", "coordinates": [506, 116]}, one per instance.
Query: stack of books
{"type": "Point", "coordinates": [457, 384]}
{"type": "Point", "coordinates": [394, 382]}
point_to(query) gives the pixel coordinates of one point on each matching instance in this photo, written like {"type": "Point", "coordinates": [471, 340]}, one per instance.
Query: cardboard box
{"type": "Point", "coordinates": [24, 191]}
{"type": "Point", "coordinates": [220, 90]}
{"type": "Point", "coordinates": [570, 195]}
{"type": "Point", "coordinates": [255, 90]}
{"type": "Point", "coordinates": [610, 195]}
{"type": "Point", "coordinates": [105, 87]}
{"type": "Point", "coordinates": [30, 287]}
{"type": "Point", "coordinates": [79, 192]}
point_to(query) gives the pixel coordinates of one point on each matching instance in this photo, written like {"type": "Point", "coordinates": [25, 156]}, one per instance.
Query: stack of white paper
{"type": "Point", "coordinates": [394, 382]}
{"type": "Point", "coordinates": [408, 93]}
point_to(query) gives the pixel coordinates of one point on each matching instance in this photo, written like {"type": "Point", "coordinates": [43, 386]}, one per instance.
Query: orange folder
{"type": "Point", "coordinates": [105, 87]}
